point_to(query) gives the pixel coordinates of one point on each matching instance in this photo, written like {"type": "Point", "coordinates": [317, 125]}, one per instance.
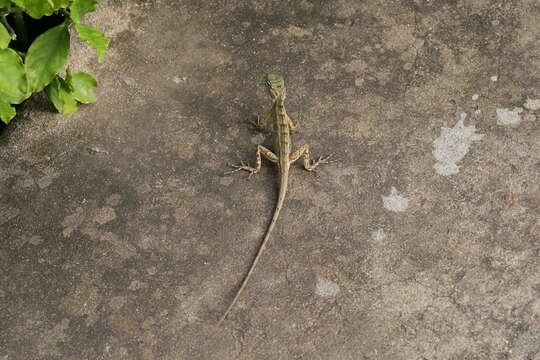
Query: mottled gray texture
{"type": "Point", "coordinates": [123, 239]}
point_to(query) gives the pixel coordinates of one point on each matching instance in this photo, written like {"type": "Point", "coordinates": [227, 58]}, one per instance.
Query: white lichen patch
{"type": "Point", "coordinates": [326, 288]}
{"type": "Point", "coordinates": [395, 202]}
{"type": "Point", "coordinates": [532, 104]}
{"type": "Point", "coordinates": [178, 79]}
{"type": "Point", "coordinates": [507, 117]}
{"type": "Point", "coordinates": [452, 146]}
{"type": "Point", "coordinates": [378, 235]}
{"type": "Point", "coordinates": [494, 78]}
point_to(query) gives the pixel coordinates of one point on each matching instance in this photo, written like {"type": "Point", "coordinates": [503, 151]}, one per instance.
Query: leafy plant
{"type": "Point", "coordinates": [34, 48]}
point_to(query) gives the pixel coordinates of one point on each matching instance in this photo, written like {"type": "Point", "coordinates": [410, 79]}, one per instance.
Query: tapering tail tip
{"type": "Point", "coordinates": [284, 178]}
{"type": "Point", "coordinates": [223, 317]}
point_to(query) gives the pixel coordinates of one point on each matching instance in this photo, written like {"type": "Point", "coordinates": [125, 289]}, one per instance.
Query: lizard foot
{"type": "Point", "coordinates": [320, 161]}
{"type": "Point", "coordinates": [243, 166]}
{"type": "Point", "coordinates": [256, 124]}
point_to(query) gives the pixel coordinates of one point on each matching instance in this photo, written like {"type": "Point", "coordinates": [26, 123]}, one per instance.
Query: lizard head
{"type": "Point", "coordinates": [276, 86]}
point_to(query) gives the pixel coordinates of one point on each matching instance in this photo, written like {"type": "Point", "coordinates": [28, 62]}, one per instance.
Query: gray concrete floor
{"type": "Point", "coordinates": [121, 237]}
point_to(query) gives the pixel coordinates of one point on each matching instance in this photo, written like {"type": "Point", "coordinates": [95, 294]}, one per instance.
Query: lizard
{"type": "Point", "coordinates": [282, 128]}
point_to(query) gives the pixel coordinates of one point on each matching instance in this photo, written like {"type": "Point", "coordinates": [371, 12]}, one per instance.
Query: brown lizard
{"type": "Point", "coordinates": [282, 127]}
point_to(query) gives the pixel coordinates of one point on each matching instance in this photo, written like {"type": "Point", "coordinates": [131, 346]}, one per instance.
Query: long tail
{"type": "Point", "coordinates": [281, 197]}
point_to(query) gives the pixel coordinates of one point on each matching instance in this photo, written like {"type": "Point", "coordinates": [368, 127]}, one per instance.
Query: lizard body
{"type": "Point", "coordinates": [282, 127]}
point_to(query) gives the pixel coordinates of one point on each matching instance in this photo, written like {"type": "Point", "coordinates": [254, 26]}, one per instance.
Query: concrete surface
{"type": "Point", "coordinates": [123, 239]}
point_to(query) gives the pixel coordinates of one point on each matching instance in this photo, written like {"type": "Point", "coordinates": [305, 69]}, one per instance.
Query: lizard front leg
{"type": "Point", "coordinates": [304, 151]}
{"type": "Point", "coordinates": [261, 124]}
{"type": "Point", "coordinates": [261, 150]}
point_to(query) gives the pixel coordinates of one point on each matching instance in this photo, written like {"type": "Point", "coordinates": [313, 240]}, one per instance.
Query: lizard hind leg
{"type": "Point", "coordinates": [303, 151]}
{"type": "Point", "coordinates": [261, 151]}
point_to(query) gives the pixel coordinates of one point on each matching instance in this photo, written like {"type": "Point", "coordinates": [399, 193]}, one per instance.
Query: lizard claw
{"type": "Point", "coordinates": [320, 160]}
{"type": "Point", "coordinates": [326, 160]}
{"type": "Point", "coordinates": [242, 166]}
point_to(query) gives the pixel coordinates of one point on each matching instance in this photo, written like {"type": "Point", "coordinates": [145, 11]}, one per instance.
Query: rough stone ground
{"type": "Point", "coordinates": [121, 237]}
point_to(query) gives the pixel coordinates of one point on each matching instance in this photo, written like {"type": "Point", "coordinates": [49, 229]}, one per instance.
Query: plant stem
{"type": "Point", "coordinates": [4, 21]}
{"type": "Point", "coordinates": [20, 25]}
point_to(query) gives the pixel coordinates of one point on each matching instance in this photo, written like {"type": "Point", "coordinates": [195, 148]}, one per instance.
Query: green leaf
{"type": "Point", "coordinates": [60, 4]}
{"type": "Point", "coordinates": [61, 97]}
{"type": "Point", "coordinates": [93, 37]}
{"type": "Point", "coordinates": [13, 84]}
{"type": "Point", "coordinates": [46, 56]}
{"type": "Point", "coordinates": [68, 79]}
{"type": "Point", "coordinates": [5, 38]}
{"type": "Point", "coordinates": [7, 112]}
{"type": "Point", "coordinates": [53, 92]}
{"type": "Point", "coordinates": [70, 104]}
{"type": "Point", "coordinates": [10, 99]}
{"type": "Point", "coordinates": [19, 3]}
{"type": "Point", "coordinates": [37, 8]}
{"type": "Point", "coordinates": [4, 3]}
{"type": "Point", "coordinates": [83, 85]}
{"type": "Point", "coordinates": [80, 7]}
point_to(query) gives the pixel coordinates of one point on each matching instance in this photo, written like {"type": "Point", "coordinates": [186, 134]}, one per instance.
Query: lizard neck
{"type": "Point", "coordinates": [280, 101]}
{"type": "Point", "coordinates": [279, 108]}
